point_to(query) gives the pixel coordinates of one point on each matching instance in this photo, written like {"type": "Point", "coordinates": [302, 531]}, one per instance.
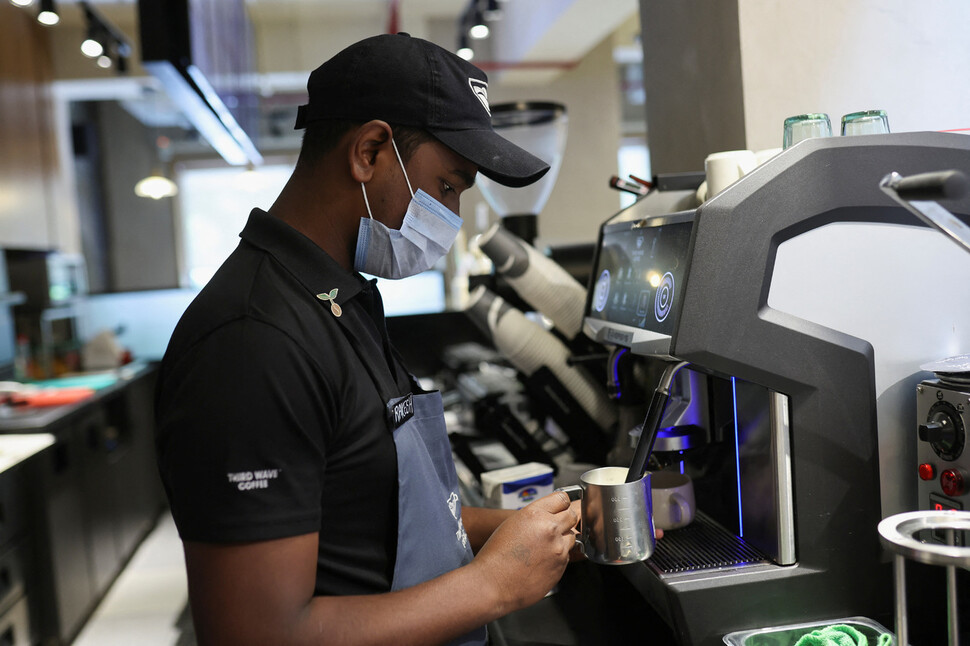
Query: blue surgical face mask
{"type": "Point", "coordinates": [428, 231]}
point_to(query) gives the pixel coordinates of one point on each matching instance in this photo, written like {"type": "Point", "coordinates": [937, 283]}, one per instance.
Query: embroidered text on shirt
{"type": "Point", "coordinates": [248, 480]}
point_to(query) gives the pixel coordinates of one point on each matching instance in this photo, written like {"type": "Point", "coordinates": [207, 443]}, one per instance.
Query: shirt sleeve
{"type": "Point", "coordinates": [243, 422]}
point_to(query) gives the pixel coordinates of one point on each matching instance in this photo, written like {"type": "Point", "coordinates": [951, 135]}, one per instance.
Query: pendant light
{"type": "Point", "coordinates": [157, 185]}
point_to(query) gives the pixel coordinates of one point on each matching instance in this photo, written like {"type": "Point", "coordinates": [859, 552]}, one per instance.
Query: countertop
{"type": "Point", "coordinates": [14, 449]}
{"type": "Point", "coordinates": [14, 419]}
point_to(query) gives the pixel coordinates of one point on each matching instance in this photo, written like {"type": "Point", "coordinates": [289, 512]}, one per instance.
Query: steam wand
{"type": "Point", "coordinates": [651, 424]}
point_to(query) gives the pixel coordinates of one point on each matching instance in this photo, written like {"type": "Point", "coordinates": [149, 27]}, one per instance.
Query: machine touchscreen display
{"type": "Point", "coordinates": [640, 272]}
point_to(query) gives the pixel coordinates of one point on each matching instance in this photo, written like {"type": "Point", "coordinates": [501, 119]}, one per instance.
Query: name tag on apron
{"type": "Point", "coordinates": [400, 412]}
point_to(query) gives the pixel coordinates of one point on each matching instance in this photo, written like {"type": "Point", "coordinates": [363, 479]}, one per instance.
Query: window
{"type": "Point", "coordinates": [633, 158]}
{"type": "Point", "coordinates": [214, 205]}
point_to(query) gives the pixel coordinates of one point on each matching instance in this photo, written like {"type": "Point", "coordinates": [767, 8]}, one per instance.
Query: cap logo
{"type": "Point", "coordinates": [480, 88]}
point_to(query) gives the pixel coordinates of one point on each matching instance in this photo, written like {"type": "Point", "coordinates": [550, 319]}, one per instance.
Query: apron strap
{"type": "Point", "coordinates": [415, 386]}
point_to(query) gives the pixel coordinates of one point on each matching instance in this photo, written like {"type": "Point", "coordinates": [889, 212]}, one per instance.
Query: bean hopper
{"type": "Point", "coordinates": [540, 128]}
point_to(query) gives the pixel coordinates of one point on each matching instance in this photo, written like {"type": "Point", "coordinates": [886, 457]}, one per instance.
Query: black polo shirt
{"type": "Point", "coordinates": [268, 422]}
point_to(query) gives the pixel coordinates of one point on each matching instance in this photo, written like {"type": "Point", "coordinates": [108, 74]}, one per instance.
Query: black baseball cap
{"type": "Point", "coordinates": [412, 82]}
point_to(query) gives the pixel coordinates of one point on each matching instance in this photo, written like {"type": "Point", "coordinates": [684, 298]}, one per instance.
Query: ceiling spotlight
{"type": "Point", "coordinates": [464, 51]}
{"type": "Point", "coordinates": [104, 61]}
{"type": "Point", "coordinates": [22, 3]}
{"type": "Point", "coordinates": [48, 13]}
{"type": "Point", "coordinates": [479, 30]}
{"type": "Point", "coordinates": [93, 45]}
{"type": "Point", "coordinates": [92, 48]}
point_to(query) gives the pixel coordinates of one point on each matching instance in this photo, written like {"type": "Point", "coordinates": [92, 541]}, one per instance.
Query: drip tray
{"type": "Point", "coordinates": [702, 545]}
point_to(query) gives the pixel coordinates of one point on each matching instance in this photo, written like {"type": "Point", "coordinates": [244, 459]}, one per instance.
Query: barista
{"type": "Point", "coordinates": [309, 476]}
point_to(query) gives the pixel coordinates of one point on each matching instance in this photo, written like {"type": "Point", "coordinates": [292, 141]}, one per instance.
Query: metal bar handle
{"type": "Point", "coordinates": [939, 185]}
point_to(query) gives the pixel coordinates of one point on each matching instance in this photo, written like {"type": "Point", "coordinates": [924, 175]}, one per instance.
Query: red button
{"type": "Point", "coordinates": [926, 471]}
{"type": "Point", "coordinates": [952, 482]}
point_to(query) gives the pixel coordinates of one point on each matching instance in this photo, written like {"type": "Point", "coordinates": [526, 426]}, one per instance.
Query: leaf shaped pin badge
{"type": "Point", "coordinates": [334, 308]}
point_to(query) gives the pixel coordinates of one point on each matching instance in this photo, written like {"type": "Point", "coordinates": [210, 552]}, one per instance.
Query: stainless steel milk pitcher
{"type": "Point", "coordinates": [617, 518]}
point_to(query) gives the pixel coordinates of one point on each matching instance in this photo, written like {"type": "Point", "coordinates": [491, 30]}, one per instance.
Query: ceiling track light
{"type": "Point", "coordinates": [92, 46]}
{"type": "Point", "coordinates": [479, 29]}
{"type": "Point", "coordinates": [104, 42]}
{"type": "Point", "coordinates": [22, 3]}
{"type": "Point", "coordinates": [472, 23]}
{"type": "Point", "coordinates": [47, 13]}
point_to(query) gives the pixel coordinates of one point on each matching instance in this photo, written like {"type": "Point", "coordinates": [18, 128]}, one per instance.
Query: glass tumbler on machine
{"type": "Point", "coordinates": [867, 122]}
{"type": "Point", "coordinates": [806, 126]}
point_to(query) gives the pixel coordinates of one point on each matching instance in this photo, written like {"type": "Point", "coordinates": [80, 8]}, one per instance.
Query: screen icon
{"type": "Point", "coordinates": [642, 302]}
{"type": "Point", "coordinates": [664, 298]}
{"type": "Point", "coordinates": [601, 294]}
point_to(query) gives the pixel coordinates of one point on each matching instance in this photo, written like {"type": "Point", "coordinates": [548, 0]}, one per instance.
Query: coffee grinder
{"type": "Point", "coordinates": [540, 128]}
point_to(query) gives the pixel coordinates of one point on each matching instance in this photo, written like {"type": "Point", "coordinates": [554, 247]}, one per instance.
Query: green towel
{"type": "Point", "coordinates": [841, 636]}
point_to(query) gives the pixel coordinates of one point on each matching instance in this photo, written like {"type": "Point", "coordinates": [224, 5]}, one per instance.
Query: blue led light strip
{"type": "Point", "coordinates": [616, 371]}
{"type": "Point", "coordinates": [737, 453]}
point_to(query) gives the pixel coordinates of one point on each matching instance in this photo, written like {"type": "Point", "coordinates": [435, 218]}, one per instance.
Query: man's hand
{"type": "Point", "coordinates": [527, 554]}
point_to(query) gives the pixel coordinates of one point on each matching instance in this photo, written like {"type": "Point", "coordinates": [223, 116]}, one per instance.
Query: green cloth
{"type": "Point", "coordinates": [841, 636]}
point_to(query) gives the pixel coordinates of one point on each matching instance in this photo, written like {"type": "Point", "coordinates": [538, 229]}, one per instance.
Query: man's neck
{"type": "Point", "coordinates": [320, 214]}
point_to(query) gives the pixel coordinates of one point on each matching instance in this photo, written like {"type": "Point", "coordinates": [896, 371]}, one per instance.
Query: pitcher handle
{"type": "Point", "coordinates": [575, 492]}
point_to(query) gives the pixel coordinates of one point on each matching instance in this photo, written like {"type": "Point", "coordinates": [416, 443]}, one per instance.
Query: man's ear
{"type": "Point", "coordinates": [369, 140]}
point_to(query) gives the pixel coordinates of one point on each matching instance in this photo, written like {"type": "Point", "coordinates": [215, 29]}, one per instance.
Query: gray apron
{"type": "Point", "coordinates": [431, 539]}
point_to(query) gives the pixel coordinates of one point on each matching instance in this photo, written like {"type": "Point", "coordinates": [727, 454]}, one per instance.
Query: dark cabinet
{"type": "Point", "coordinates": [100, 491]}
{"type": "Point", "coordinates": [98, 496]}
{"type": "Point", "coordinates": [65, 587]}
{"type": "Point", "coordinates": [128, 451]}
{"type": "Point", "coordinates": [15, 557]}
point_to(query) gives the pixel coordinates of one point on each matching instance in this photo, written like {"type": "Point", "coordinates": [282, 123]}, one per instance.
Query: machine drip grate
{"type": "Point", "coordinates": [702, 545]}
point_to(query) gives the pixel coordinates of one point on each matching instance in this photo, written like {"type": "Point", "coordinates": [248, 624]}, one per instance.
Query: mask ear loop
{"type": "Point", "coordinates": [366, 203]}
{"type": "Point", "coordinates": [393, 143]}
{"type": "Point", "coordinates": [364, 190]}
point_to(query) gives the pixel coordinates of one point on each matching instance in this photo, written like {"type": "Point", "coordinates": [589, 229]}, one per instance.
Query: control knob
{"type": "Point", "coordinates": [944, 431]}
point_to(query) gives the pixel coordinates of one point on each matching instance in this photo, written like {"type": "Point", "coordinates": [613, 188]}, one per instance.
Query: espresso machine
{"type": "Point", "coordinates": [796, 307]}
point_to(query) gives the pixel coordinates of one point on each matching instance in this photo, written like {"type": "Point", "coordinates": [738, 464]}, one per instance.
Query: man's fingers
{"type": "Point", "coordinates": [554, 503]}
